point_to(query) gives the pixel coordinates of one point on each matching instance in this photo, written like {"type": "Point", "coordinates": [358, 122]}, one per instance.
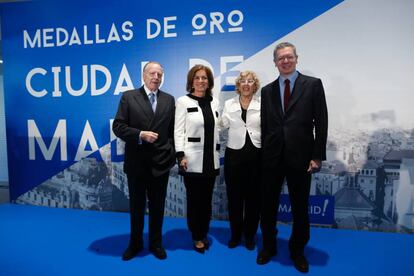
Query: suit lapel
{"type": "Point", "coordinates": [161, 104]}
{"type": "Point", "coordinates": [296, 93]}
{"type": "Point", "coordinates": [142, 100]}
{"type": "Point", "coordinates": [276, 97]}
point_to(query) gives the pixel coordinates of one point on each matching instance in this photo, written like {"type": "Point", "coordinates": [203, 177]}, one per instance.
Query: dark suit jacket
{"type": "Point", "coordinates": [300, 134]}
{"type": "Point", "coordinates": [135, 114]}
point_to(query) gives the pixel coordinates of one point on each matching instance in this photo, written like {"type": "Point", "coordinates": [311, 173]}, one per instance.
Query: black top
{"type": "Point", "coordinates": [248, 143]}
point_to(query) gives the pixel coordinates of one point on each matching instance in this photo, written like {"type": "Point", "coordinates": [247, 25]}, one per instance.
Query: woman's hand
{"type": "Point", "coordinates": [183, 164]}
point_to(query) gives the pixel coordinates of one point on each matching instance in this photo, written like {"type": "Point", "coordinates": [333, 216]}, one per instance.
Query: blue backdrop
{"type": "Point", "coordinates": [66, 64]}
{"type": "Point", "coordinates": [49, 46]}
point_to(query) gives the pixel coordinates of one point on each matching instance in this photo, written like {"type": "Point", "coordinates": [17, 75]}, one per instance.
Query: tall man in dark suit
{"type": "Point", "coordinates": [145, 121]}
{"type": "Point", "coordinates": [294, 122]}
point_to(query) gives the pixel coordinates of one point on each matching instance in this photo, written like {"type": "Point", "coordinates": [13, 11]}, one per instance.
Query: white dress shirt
{"type": "Point", "coordinates": [148, 91]}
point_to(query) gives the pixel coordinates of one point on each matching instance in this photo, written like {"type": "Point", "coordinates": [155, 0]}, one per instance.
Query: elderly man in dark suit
{"type": "Point", "coordinates": [145, 121]}
{"type": "Point", "coordinates": [294, 123]}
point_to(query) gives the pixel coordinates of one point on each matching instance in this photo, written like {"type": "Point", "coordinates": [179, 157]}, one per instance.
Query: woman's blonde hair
{"type": "Point", "coordinates": [244, 75]}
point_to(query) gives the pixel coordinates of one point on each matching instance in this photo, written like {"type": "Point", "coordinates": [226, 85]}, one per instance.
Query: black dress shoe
{"type": "Point", "coordinates": [250, 244]}
{"type": "Point", "coordinates": [159, 252]}
{"type": "Point", "coordinates": [264, 256]}
{"type": "Point", "coordinates": [206, 243]}
{"type": "Point", "coordinates": [300, 263]}
{"type": "Point", "coordinates": [233, 243]}
{"type": "Point", "coordinates": [131, 252]}
{"type": "Point", "coordinates": [197, 248]}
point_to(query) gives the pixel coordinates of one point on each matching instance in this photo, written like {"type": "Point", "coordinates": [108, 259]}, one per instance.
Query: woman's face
{"type": "Point", "coordinates": [247, 86]}
{"type": "Point", "coordinates": [200, 81]}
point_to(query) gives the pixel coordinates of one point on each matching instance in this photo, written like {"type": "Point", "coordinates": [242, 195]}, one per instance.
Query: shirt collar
{"type": "Point", "coordinates": [254, 103]}
{"type": "Point", "coordinates": [149, 91]}
{"type": "Point", "coordinates": [292, 78]}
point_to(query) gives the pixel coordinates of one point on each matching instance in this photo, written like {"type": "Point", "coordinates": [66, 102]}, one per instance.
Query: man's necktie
{"type": "Point", "coordinates": [152, 101]}
{"type": "Point", "coordinates": [286, 95]}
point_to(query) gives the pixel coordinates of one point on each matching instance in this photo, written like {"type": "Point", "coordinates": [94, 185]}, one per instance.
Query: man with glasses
{"type": "Point", "coordinates": [294, 123]}
{"type": "Point", "coordinates": [145, 121]}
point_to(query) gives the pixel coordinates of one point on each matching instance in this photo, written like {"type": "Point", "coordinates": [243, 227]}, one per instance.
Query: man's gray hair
{"type": "Point", "coordinates": [283, 45]}
{"type": "Point", "coordinates": [151, 62]}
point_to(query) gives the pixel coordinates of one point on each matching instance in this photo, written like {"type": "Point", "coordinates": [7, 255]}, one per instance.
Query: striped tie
{"type": "Point", "coordinates": [152, 101]}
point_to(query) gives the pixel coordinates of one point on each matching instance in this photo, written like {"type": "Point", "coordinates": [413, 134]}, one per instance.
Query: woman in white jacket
{"type": "Point", "coordinates": [197, 145]}
{"type": "Point", "coordinates": [241, 115]}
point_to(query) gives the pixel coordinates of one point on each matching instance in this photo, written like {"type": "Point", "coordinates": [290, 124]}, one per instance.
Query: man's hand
{"type": "Point", "coordinates": [314, 166]}
{"type": "Point", "coordinates": [148, 136]}
{"type": "Point", "coordinates": [183, 164]}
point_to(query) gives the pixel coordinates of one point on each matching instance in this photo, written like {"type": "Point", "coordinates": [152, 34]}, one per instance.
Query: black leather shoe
{"type": "Point", "coordinates": [131, 252]}
{"type": "Point", "coordinates": [206, 243]}
{"type": "Point", "coordinates": [300, 263]}
{"type": "Point", "coordinates": [233, 243]}
{"type": "Point", "coordinates": [264, 256]}
{"type": "Point", "coordinates": [250, 244]}
{"type": "Point", "coordinates": [159, 253]}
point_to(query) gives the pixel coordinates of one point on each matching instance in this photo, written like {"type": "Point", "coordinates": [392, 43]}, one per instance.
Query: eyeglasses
{"type": "Point", "coordinates": [246, 81]}
{"type": "Point", "coordinates": [288, 58]}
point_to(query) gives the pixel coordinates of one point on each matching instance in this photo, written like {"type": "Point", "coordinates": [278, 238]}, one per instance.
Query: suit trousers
{"type": "Point", "coordinates": [241, 171]}
{"type": "Point", "coordinates": [298, 182]}
{"type": "Point", "coordinates": [199, 191]}
{"type": "Point", "coordinates": [140, 188]}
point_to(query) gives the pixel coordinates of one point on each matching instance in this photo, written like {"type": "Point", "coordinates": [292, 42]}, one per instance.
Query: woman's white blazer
{"type": "Point", "coordinates": [231, 119]}
{"type": "Point", "coordinates": [189, 132]}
